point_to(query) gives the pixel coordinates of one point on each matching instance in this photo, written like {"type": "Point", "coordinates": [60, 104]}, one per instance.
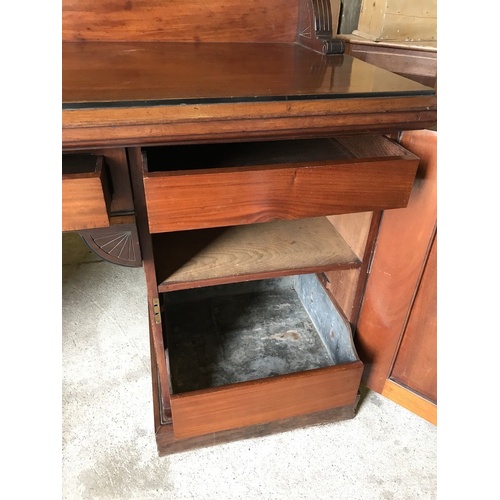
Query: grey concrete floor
{"type": "Point", "coordinates": [108, 445]}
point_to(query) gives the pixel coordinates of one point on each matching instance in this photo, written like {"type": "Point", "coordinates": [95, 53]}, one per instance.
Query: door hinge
{"type": "Point", "coordinates": [156, 311]}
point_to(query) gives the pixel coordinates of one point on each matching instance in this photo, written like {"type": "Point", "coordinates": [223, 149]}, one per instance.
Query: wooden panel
{"type": "Point", "coordinates": [251, 403]}
{"type": "Point", "coordinates": [185, 21]}
{"type": "Point", "coordinates": [398, 20]}
{"type": "Point", "coordinates": [208, 257]}
{"type": "Point", "coordinates": [354, 228]}
{"type": "Point", "coordinates": [411, 401]}
{"type": "Point", "coordinates": [402, 247]}
{"type": "Point", "coordinates": [85, 196]}
{"type": "Point", "coordinates": [148, 125]}
{"type": "Point", "coordinates": [342, 284]}
{"type": "Point", "coordinates": [416, 361]}
{"type": "Point", "coordinates": [347, 286]}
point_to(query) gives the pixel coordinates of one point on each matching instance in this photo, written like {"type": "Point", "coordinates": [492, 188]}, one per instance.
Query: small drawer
{"type": "Point", "coordinates": [216, 185]}
{"type": "Point", "coordinates": [85, 192]}
{"type": "Point", "coordinates": [246, 354]}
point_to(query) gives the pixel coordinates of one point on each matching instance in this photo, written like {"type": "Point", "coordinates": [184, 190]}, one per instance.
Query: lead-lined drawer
{"type": "Point", "coordinates": [85, 192]}
{"type": "Point", "coordinates": [251, 353]}
{"type": "Point", "coordinates": [214, 185]}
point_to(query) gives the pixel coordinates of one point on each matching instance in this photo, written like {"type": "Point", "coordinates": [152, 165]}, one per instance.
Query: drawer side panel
{"type": "Point", "coordinates": [83, 203]}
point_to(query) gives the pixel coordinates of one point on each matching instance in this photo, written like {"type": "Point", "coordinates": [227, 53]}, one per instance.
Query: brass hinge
{"type": "Point", "coordinates": [156, 311]}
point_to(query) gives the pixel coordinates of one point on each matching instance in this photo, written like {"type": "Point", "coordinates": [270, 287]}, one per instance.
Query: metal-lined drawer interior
{"type": "Point", "coordinates": [85, 192]}
{"type": "Point", "coordinates": [213, 185]}
{"type": "Point", "coordinates": [249, 353]}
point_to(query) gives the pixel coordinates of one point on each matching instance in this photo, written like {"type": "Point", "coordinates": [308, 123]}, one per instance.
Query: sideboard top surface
{"type": "Point", "coordinates": [100, 74]}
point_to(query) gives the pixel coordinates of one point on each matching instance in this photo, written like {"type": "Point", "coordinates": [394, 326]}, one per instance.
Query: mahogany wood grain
{"type": "Point", "coordinates": [410, 400]}
{"type": "Point", "coordinates": [232, 121]}
{"type": "Point", "coordinates": [250, 403]}
{"type": "Point", "coordinates": [403, 244]}
{"type": "Point", "coordinates": [85, 193]}
{"type": "Point", "coordinates": [188, 259]}
{"type": "Point", "coordinates": [416, 361]}
{"type": "Point", "coordinates": [186, 21]}
{"type": "Point", "coordinates": [228, 196]}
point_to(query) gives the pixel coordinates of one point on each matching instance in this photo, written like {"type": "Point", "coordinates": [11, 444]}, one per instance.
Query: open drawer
{"type": "Point", "coordinates": [247, 354]}
{"type": "Point", "coordinates": [215, 185]}
{"type": "Point", "coordinates": [85, 192]}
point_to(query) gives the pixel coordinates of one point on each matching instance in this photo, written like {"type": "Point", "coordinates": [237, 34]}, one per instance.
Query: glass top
{"type": "Point", "coordinates": [128, 74]}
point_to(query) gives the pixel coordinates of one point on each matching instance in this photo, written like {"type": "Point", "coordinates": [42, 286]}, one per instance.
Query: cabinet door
{"type": "Point", "coordinates": [399, 306]}
{"type": "Point", "coordinates": [416, 361]}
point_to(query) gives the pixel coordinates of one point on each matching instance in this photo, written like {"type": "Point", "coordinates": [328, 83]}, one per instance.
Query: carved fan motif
{"type": "Point", "coordinates": [118, 244]}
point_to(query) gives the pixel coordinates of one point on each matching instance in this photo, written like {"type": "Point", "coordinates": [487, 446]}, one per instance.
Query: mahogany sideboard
{"type": "Point", "coordinates": [237, 153]}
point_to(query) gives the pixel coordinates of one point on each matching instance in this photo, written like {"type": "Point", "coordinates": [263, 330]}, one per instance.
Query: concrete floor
{"type": "Point", "coordinates": [108, 445]}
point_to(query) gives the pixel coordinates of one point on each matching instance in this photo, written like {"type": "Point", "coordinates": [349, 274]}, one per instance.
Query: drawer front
{"type": "Point", "coordinates": [369, 174]}
{"type": "Point", "coordinates": [254, 403]}
{"type": "Point", "coordinates": [85, 193]}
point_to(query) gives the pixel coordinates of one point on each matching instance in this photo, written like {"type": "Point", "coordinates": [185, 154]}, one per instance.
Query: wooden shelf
{"type": "Point", "coordinates": [188, 259]}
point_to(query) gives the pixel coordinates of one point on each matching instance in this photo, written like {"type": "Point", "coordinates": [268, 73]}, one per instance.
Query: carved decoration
{"type": "Point", "coordinates": [118, 244]}
{"type": "Point", "coordinates": [316, 27]}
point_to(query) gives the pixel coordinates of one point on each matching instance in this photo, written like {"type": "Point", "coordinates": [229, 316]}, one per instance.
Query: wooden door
{"type": "Point", "coordinates": [396, 333]}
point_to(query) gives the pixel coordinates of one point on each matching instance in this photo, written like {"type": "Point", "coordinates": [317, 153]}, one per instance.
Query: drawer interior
{"type": "Point", "coordinates": [243, 154]}
{"type": "Point", "coordinates": [248, 331]}
{"type": "Point", "coordinates": [251, 352]}
{"type": "Point", "coordinates": [177, 158]}
{"type": "Point", "coordinates": [81, 165]}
